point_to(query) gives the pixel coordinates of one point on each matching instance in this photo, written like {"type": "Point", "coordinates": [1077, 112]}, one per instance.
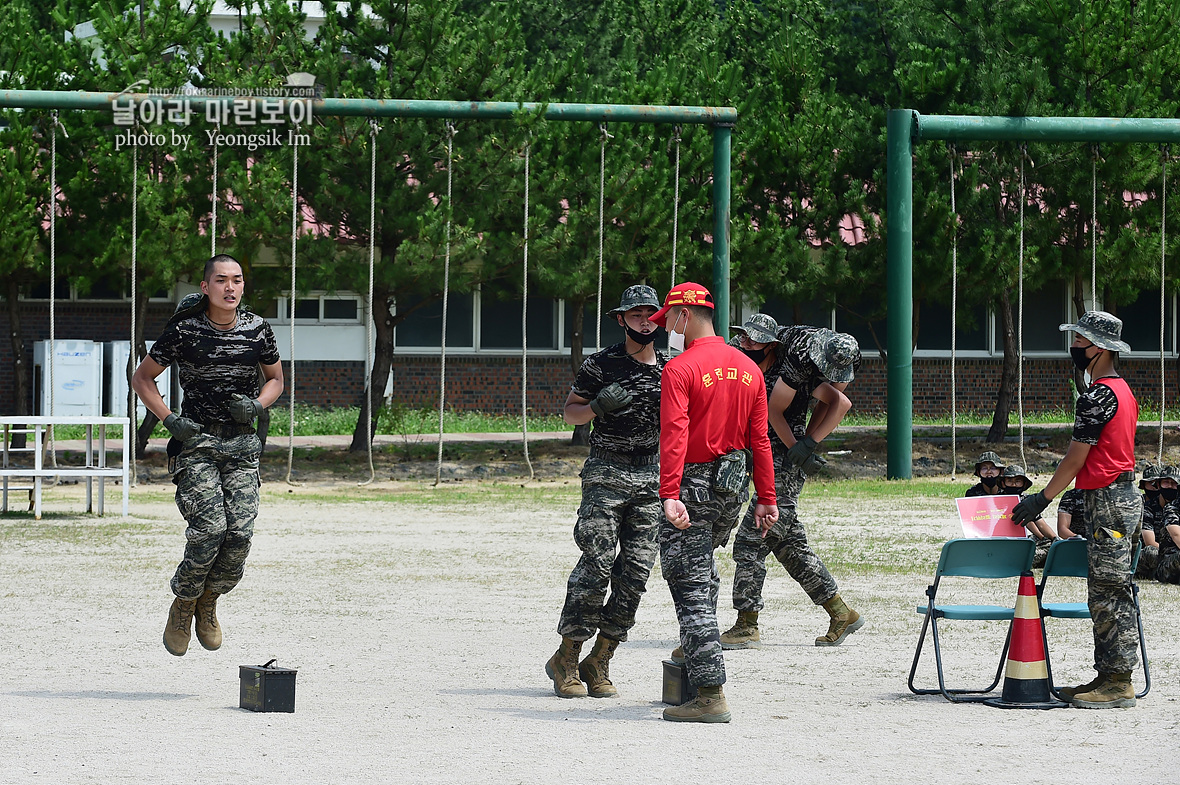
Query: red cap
{"type": "Point", "coordinates": [686, 293]}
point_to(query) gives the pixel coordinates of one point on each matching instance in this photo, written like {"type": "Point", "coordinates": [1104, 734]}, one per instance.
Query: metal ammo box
{"type": "Point", "coordinates": [267, 687]}
{"type": "Point", "coordinates": [677, 688]}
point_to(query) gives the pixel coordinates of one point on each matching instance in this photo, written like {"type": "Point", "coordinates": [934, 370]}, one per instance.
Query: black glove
{"type": "Point", "coordinates": [181, 428]}
{"type": "Point", "coordinates": [801, 450]}
{"type": "Point", "coordinates": [1029, 509]}
{"type": "Point", "coordinates": [244, 409]}
{"type": "Point", "coordinates": [610, 398]}
{"type": "Point", "coordinates": [812, 464]}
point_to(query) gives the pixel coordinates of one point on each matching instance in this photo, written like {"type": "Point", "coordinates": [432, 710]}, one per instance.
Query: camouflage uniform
{"type": "Point", "coordinates": [787, 539]}
{"type": "Point", "coordinates": [216, 472]}
{"type": "Point", "coordinates": [686, 560]}
{"type": "Point", "coordinates": [1073, 502]}
{"type": "Point", "coordinates": [1153, 516]}
{"type": "Point", "coordinates": [1167, 569]}
{"type": "Point", "coordinates": [618, 520]}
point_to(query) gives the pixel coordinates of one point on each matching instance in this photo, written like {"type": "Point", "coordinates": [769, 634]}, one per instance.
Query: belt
{"type": "Point", "coordinates": [1126, 477]}
{"type": "Point", "coordinates": [625, 458]}
{"type": "Point", "coordinates": [226, 430]}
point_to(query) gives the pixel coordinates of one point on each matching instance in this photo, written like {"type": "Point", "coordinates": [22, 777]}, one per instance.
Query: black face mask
{"type": "Point", "coordinates": [1080, 360]}
{"type": "Point", "coordinates": [643, 339]}
{"type": "Point", "coordinates": [757, 355]}
{"type": "Point", "coordinates": [1169, 494]}
{"type": "Point", "coordinates": [990, 482]}
{"type": "Point", "coordinates": [1152, 496]}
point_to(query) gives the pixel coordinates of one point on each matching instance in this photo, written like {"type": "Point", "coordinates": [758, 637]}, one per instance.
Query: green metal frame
{"type": "Point", "coordinates": [721, 119]}
{"type": "Point", "coordinates": [904, 129]}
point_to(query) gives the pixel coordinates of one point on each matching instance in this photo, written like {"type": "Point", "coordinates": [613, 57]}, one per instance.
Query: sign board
{"type": "Point", "coordinates": [989, 516]}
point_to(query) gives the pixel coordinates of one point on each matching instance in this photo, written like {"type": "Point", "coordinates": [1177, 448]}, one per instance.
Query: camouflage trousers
{"type": "Point", "coordinates": [686, 559]}
{"type": "Point", "coordinates": [217, 493]}
{"type": "Point", "coordinates": [618, 522]}
{"type": "Point", "coordinates": [1149, 556]}
{"type": "Point", "coordinates": [1167, 569]}
{"type": "Point", "coordinates": [1114, 514]}
{"type": "Point", "coordinates": [787, 540]}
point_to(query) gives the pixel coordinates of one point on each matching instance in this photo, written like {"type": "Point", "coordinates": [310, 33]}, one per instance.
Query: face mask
{"type": "Point", "coordinates": [643, 339]}
{"type": "Point", "coordinates": [675, 339]}
{"type": "Point", "coordinates": [757, 355]}
{"type": "Point", "coordinates": [1152, 496]}
{"type": "Point", "coordinates": [989, 481]}
{"type": "Point", "coordinates": [1169, 494]}
{"type": "Point", "coordinates": [1080, 360]}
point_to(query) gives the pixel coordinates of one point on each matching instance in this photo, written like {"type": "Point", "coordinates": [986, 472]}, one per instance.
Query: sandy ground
{"type": "Point", "coordinates": [420, 628]}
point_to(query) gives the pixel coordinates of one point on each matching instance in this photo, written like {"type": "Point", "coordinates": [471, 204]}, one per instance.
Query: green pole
{"type": "Point", "coordinates": [722, 135]}
{"type": "Point", "coordinates": [899, 227]}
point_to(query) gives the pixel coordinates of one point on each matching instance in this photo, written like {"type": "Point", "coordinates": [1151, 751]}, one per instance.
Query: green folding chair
{"type": "Point", "coordinates": [1069, 559]}
{"type": "Point", "coordinates": [991, 558]}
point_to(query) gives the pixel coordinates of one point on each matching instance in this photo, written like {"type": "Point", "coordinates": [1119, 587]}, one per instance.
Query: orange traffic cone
{"type": "Point", "coordinates": [1026, 679]}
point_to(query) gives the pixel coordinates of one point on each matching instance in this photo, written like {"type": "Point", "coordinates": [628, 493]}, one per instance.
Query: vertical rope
{"type": "Point", "coordinates": [213, 200]}
{"type": "Point", "coordinates": [524, 324]}
{"type": "Point", "coordinates": [675, 204]}
{"type": "Point", "coordinates": [370, 358]}
{"type": "Point", "coordinates": [954, 316]}
{"type": "Point", "coordinates": [601, 221]}
{"type": "Point", "coordinates": [442, 358]}
{"type": "Point", "coordinates": [1094, 229]}
{"type": "Point", "coordinates": [52, 287]}
{"type": "Point", "coordinates": [132, 419]}
{"type": "Point", "coordinates": [291, 311]}
{"type": "Point", "coordinates": [1163, 299]}
{"type": "Point", "coordinates": [1020, 320]}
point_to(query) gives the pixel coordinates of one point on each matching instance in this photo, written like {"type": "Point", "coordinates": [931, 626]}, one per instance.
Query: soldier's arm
{"type": "Point", "coordinates": [577, 410]}
{"type": "Point", "coordinates": [143, 381]}
{"type": "Point", "coordinates": [780, 398]}
{"type": "Point", "coordinates": [1173, 531]}
{"type": "Point", "coordinates": [831, 406]}
{"type": "Point", "coordinates": [272, 388]}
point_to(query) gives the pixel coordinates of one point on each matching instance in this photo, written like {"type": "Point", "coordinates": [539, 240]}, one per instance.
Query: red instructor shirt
{"type": "Point", "coordinates": [713, 401]}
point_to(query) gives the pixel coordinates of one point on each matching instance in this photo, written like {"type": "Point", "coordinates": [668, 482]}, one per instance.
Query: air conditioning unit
{"type": "Point", "coordinates": [76, 377]}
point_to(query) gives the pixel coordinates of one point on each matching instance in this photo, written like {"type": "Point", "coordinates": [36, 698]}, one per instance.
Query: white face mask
{"type": "Point", "coordinates": [675, 339]}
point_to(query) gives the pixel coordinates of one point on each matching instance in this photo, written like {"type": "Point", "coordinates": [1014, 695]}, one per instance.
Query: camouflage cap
{"type": "Point", "coordinates": [635, 296]}
{"type": "Point", "coordinates": [1016, 470]}
{"type": "Point", "coordinates": [834, 354]}
{"type": "Point", "coordinates": [1171, 472]}
{"type": "Point", "coordinates": [988, 457]}
{"type": "Point", "coordinates": [1102, 329]}
{"type": "Point", "coordinates": [188, 301]}
{"type": "Point", "coordinates": [759, 328]}
{"type": "Point", "coordinates": [1151, 473]}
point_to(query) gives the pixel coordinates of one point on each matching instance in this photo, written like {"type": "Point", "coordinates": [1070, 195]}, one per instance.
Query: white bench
{"type": "Point", "coordinates": [95, 465]}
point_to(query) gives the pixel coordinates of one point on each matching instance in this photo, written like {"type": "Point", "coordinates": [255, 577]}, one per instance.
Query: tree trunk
{"type": "Point", "coordinates": [20, 368]}
{"type": "Point", "coordinates": [581, 433]}
{"type": "Point", "coordinates": [383, 324]}
{"type": "Point", "coordinates": [1008, 374]}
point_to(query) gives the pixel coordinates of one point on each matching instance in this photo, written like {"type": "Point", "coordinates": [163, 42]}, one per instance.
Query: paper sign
{"type": "Point", "coordinates": [989, 516]}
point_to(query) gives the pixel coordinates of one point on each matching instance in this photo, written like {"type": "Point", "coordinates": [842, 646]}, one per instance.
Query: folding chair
{"type": "Point", "coordinates": [1069, 559]}
{"type": "Point", "coordinates": [974, 558]}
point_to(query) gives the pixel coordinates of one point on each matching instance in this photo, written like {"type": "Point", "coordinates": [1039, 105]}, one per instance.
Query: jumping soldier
{"type": "Point", "coordinates": [1101, 456]}
{"type": "Point", "coordinates": [815, 363]}
{"type": "Point", "coordinates": [218, 350]}
{"type": "Point", "coordinates": [987, 469]}
{"type": "Point", "coordinates": [712, 417]}
{"type": "Point", "coordinates": [618, 390]}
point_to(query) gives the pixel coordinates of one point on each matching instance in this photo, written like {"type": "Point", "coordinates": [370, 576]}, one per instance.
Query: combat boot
{"type": "Point", "coordinates": [179, 630]}
{"type": "Point", "coordinates": [1068, 693]}
{"type": "Point", "coordinates": [845, 621]}
{"type": "Point", "coordinates": [678, 655]}
{"type": "Point", "coordinates": [208, 630]}
{"type": "Point", "coordinates": [744, 632]}
{"type": "Point", "coordinates": [595, 669]}
{"type": "Point", "coordinates": [563, 669]}
{"type": "Point", "coordinates": [708, 706]}
{"type": "Point", "coordinates": [1115, 692]}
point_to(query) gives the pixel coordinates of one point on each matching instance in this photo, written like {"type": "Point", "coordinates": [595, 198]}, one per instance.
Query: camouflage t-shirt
{"type": "Point", "coordinates": [635, 428]}
{"type": "Point", "coordinates": [1170, 517]}
{"type": "Point", "coordinates": [215, 364]}
{"type": "Point", "coordinates": [800, 373]}
{"type": "Point", "coordinates": [770, 376]}
{"type": "Point", "coordinates": [1073, 503]}
{"type": "Point", "coordinates": [979, 489]}
{"type": "Point", "coordinates": [1095, 408]}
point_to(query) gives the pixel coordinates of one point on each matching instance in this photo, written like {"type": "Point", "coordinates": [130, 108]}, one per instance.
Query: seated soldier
{"type": "Point", "coordinates": [1153, 512]}
{"type": "Point", "coordinates": [1071, 515]}
{"type": "Point", "coordinates": [987, 469]}
{"type": "Point", "coordinates": [1167, 530]}
{"type": "Point", "coordinates": [1014, 481]}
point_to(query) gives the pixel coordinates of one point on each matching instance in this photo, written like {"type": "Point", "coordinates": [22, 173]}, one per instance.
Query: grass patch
{"type": "Point", "coordinates": [1046, 417]}
{"type": "Point", "coordinates": [860, 490]}
{"type": "Point", "coordinates": [502, 495]}
{"type": "Point", "coordinates": [398, 419]}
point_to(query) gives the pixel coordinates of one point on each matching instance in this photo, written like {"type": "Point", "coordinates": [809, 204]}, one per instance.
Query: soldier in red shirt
{"type": "Point", "coordinates": [1101, 457]}
{"type": "Point", "coordinates": [712, 423]}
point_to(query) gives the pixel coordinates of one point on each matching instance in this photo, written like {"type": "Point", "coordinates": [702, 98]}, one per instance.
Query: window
{"type": "Point", "coordinates": [934, 328]}
{"type": "Point", "coordinates": [856, 317]}
{"type": "Point", "coordinates": [499, 322]}
{"type": "Point", "coordinates": [1141, 323]}
{"type": "Point", "coordinates": [816, 313]}
{"type": "Point", "coordinates": [336, 308]}
{"type": "Point", "coordinates": [423, 327]}
{"type": "Point", "coordinates": [1044, 311]}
